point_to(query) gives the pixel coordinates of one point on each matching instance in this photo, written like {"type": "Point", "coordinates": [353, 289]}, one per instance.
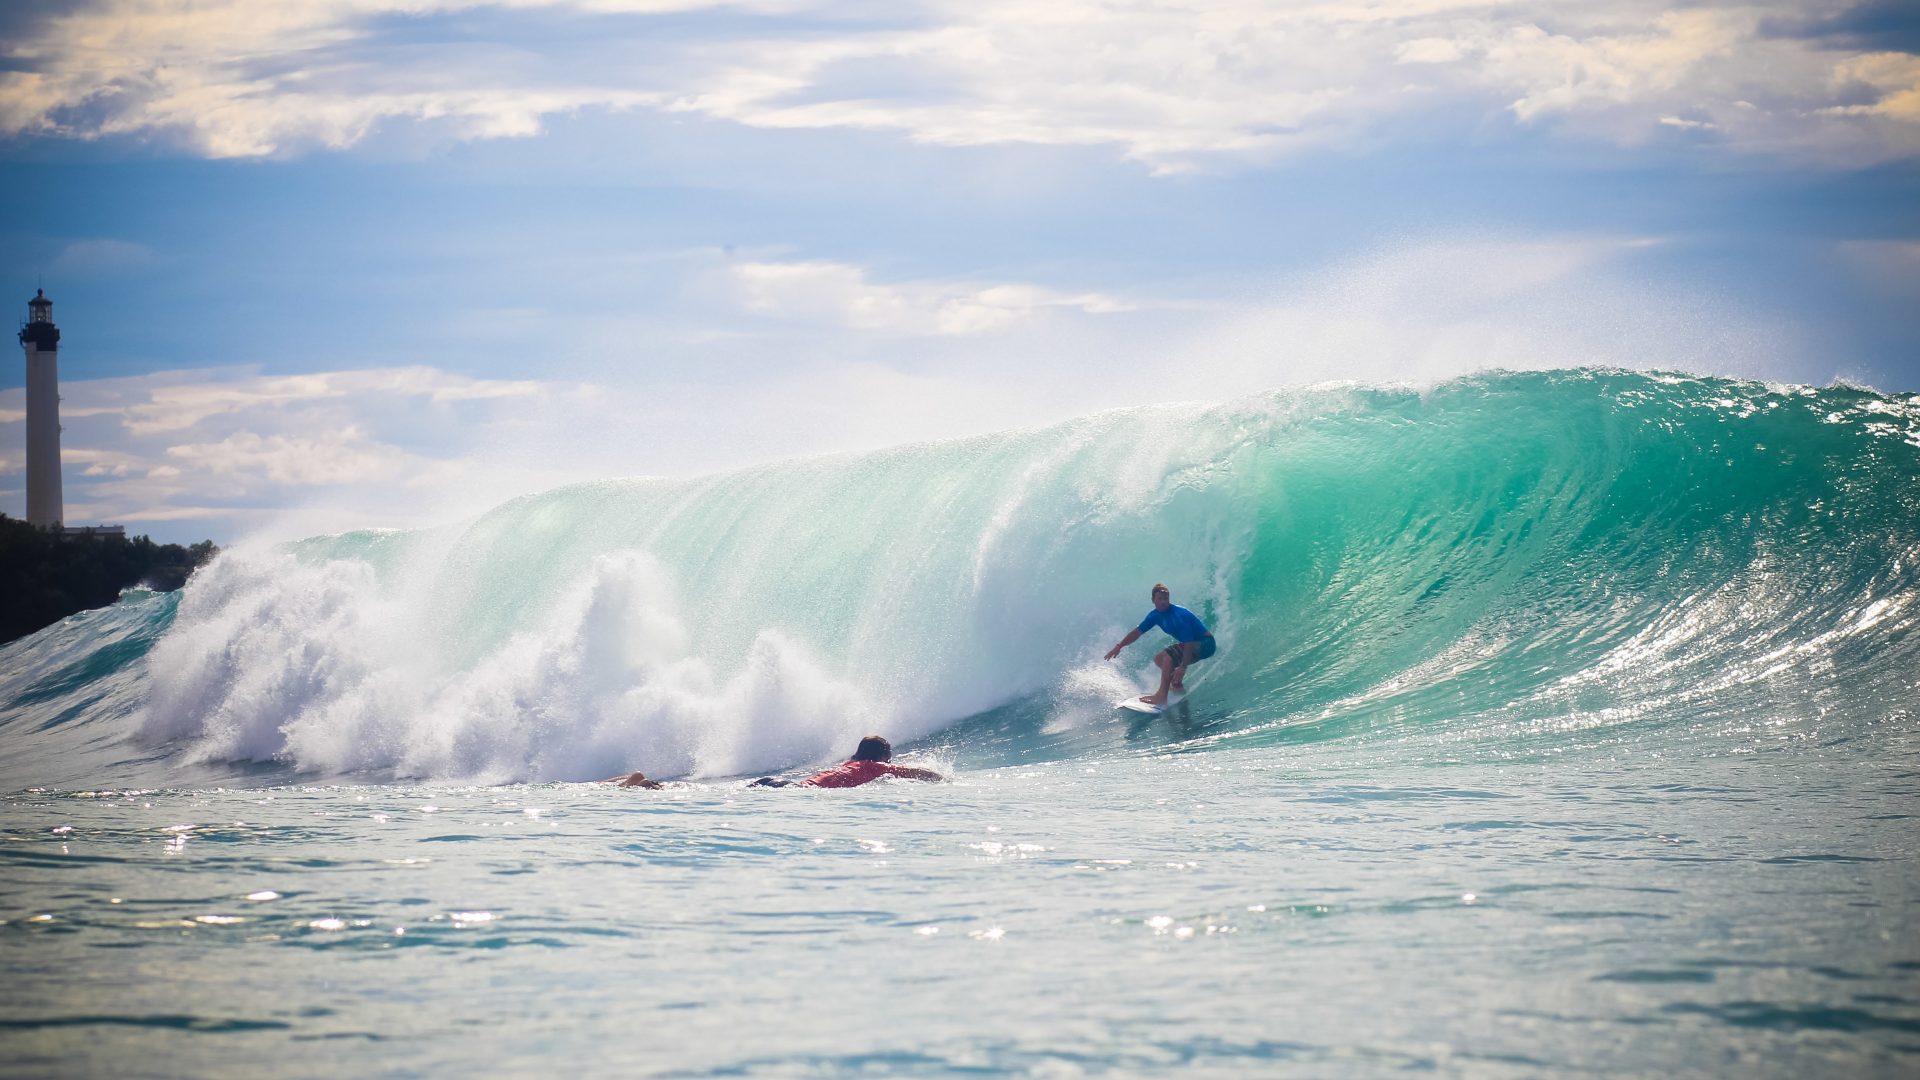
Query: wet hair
{"type": "Point", "coordinates": [873, 748]}
{"type": "Point", "coordinates": [1159, 588]}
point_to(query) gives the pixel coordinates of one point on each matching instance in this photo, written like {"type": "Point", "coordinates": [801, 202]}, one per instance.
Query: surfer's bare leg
{"type": "Point", "coordinates": [1180, 672]}
{"type": "Point", "coordinates": [1165, 663]}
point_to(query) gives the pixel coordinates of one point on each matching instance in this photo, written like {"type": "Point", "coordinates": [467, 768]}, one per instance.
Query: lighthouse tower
{"type": "Point", "coordinates": [41, 339]}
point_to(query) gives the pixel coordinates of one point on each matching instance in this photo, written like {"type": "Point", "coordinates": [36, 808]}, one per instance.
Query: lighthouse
{"type": "Point", "coordinates": [41, 339]}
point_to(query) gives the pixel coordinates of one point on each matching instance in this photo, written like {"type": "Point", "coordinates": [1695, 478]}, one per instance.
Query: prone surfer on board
{"type": "Point", "coordinates": [639, 780]}
{"type": "Point", "coordinates": [871, 760]}
{"type": "Point", "coordinates": [1192, 643]}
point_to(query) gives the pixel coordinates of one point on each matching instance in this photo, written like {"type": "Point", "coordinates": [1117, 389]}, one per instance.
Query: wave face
{"type": "Point", "coordinates": [1501, 559]}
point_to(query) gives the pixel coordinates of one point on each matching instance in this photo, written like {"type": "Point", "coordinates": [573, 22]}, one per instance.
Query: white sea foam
{"type": "Point", "coordinates": [324, 665]}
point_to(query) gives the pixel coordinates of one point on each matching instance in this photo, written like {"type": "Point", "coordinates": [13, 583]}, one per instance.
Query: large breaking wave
{"type": "Point", "coordinates": [1504, 556]}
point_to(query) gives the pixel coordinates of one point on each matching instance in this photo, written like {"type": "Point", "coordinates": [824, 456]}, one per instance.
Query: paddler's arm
{"type": "Point", "coordinates": [910, 773]}
{"type": "Point", "coordinates": [1132, 636]}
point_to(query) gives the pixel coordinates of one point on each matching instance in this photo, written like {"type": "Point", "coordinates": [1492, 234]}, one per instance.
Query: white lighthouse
{"type": "Point", "coordinates": [41, 339]}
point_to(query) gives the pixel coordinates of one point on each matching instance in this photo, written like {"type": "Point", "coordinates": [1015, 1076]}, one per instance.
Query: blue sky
{"type": "Point", "coordinates": [329, 263]}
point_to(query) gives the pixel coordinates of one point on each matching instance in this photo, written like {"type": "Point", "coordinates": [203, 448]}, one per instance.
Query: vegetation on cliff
{"type": "Point", "coordinates": [45, 577]}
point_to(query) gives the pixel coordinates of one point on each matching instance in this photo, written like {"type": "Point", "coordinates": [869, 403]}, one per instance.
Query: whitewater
{"type": "Point", "coordinates": [1562, 722]}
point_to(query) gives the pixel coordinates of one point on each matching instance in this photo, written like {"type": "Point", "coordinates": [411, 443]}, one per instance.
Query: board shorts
{"type": "Point", "coordinates": [1202, 649]}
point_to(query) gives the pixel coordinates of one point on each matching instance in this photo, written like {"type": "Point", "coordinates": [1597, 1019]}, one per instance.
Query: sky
{"type": "Point", "coordinates": [329, 264]}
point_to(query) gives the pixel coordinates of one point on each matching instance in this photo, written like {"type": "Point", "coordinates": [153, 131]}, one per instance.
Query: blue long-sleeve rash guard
{"type": "Point", "coordinates": [1184, 625]}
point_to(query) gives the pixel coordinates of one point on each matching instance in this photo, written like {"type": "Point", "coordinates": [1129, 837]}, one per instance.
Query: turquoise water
{"type": "Point", "coordinates": [1562, 723]}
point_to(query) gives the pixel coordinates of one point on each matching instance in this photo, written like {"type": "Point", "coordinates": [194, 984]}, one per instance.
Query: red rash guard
{"type": "Point", "coordinates": [855, 773]}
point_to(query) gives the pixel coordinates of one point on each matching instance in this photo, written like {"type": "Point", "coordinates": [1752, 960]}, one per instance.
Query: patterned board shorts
{"type": "Point", "coordinates": [1201, 650]}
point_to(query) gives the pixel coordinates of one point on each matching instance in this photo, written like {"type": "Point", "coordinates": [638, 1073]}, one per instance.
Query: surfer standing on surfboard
{"type": "Point", "coordinates": [1192, 643]}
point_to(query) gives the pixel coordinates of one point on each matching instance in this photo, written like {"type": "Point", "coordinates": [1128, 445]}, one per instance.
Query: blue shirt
{"type": "Point", "coordinates": [1184, 625]}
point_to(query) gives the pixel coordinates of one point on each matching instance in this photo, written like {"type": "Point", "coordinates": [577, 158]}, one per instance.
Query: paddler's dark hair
{"type": "Point", "coordinates": [873, 748]}
{"type": "Point", "coordinates": [1159, 588]}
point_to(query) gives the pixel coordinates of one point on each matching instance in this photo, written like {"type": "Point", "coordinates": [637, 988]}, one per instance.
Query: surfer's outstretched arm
{"type": "Point", "coordinates": [909, 773]}
{"type": "Point", "coordinates": [1132, 636]}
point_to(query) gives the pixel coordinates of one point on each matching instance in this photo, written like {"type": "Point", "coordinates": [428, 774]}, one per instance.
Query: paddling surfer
{"type": "Point", "coordinates": [1192, 643]}
{"type": "Point", "coordinates": [871, 760]}
{"type": "Point", "coordinates": [639, 780]}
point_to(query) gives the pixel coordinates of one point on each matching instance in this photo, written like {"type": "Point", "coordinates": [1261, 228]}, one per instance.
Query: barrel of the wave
{"type": "Point", "coordinates": [41, 340]}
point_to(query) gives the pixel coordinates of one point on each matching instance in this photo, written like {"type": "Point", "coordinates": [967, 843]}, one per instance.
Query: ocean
{"type": "Point", "coordinates": [1562, 723]}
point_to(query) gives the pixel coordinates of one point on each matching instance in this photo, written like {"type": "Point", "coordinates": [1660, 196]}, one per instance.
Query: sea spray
{"type": "Point", "coordinates": [317, 663]}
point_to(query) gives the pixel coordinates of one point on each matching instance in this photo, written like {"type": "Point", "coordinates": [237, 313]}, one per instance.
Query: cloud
{"type": "Point", "coordinates": [1428, 51]}
{"type": "Point", "coordinates": [232, 445]}
{"type": "Point", "coordinates": [1178, 85]}
{"type": "Point", "coordinates": [1890, 80]}
{"type": "Point", "coordinates": [95, 258]}
{"type": "Point", "coordinates": [1862, 25]}
{"type": "Point", "coordinates": [168, 408]}
{"type": "Point", "coordinates": [95, 462]}
{"type": "Point", "coordinates": [234, 78]}
{"type": "Point", "coordinates": [1181, 86]}
{"type": "Point", "coordinates": [346, 456]}
{"type": "Point", "coordinates": [840, 294]}
{"type": "Point", "coordinates": [1422, 312]}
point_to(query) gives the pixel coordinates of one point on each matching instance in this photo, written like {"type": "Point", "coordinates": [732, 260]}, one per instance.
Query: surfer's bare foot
{"type": "Point", "coordinates": [1153, 699]}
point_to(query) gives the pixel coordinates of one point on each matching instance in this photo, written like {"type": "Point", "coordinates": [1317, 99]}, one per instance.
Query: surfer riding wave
{"type": "Point", "coordinates": [1193, 642]}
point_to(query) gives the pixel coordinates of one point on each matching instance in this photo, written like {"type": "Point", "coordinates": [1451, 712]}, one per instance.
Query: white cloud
{"type": "Point", "coordinates": [234, 444]}
{"type": "Point", "coordinates": [237, 78]}
{"type": "Point", "coordinates": [1429, 51]}
{"type": "Point", "coordinates": [1175, 85]}
{"type": "Point", "coordinates": [1453, 305]}
{"type": "Point", "coordinates": [178, 407]}
{"type": "Point", "coordinates": [346, 456]}
{"type": "Point", "coordinates": [1892, 80]}
{"type": "Point", "coordinates": [96, 462]}
{"type": "Point", "coordinates": [92, 258]}
{"type": "Point", "coordinates": [840, 294]}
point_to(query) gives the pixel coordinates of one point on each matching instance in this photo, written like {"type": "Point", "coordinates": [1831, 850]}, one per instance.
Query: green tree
{"type": "Point", "coordinates": [45, 577]}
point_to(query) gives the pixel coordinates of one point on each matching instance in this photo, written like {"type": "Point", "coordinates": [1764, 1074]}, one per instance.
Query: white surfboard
{"type": "Point", "coordinates": [1134, 704]}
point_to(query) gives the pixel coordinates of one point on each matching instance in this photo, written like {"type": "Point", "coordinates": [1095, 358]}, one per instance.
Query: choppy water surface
{"type": "Point", "coordinates": [1224, 913]}
{"type": "Point", "coordinates": [1563, 723]}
